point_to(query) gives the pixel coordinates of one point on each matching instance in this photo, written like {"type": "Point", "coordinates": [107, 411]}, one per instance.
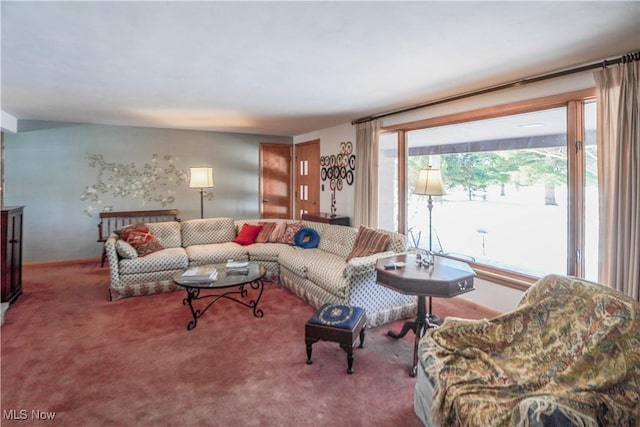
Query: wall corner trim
{"type": "Point", "coordinates": [8, 123]}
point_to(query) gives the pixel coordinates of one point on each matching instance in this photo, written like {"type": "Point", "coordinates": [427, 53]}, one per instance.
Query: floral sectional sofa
{"type": "Point", "coordinates": [323, 274]}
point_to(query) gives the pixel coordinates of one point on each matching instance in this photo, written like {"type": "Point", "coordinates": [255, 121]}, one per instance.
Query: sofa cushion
{"type": "Point", "coordinates": [166, 259]}
{"type": "Point", "coordinates": [168, 233]}
{"type": "Point", "coordinates": [125, 250]}
{"type": "Point", "coordinates": [368, 242]}
{"type": "Point", "coordinates": [208, 230]}
{"type": "Point", "coordinates": [216, 253]}
{"type": "Point", "coordinates": [318, 226]}
{"type": "Point", "coordinates": [397, 242]}
{"type": "Point", "coordinates": [337, 239]}
{"type": "Point", "coordinates": [296, 259]}
{"type": "Point", "coordinates": [247, 234]}
{"type": "Point", "coordinates": [265, 251]}
{"type": "Point", "coordinates": [326, 271]}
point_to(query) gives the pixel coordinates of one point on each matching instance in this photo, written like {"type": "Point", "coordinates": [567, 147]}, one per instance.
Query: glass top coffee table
{"type": "Point", "coordinates": [231, 285]}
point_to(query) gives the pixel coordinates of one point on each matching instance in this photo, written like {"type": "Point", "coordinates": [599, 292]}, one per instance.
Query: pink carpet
{"type": "Point", "coordinates": [68, 350]}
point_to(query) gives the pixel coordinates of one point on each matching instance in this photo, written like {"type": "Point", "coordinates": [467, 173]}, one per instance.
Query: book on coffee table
{"type": "Point", "coordinates": [200, 274]}
{"type": "Point", "coordinates": [237, 271]}
{"type": "Point", "coordinates": [231, 264]}
{"type": "Point", "coordinates": [237, 268]}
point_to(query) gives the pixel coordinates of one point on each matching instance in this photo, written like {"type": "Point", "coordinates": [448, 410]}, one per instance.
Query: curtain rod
{"type": "Point", "coordinates": [630, 57]}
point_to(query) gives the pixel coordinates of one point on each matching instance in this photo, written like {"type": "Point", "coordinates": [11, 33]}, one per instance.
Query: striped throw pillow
{"type": "Point", "coordinates": [265, 233]}
{"type": "Point", "coordinates": [368, 242]}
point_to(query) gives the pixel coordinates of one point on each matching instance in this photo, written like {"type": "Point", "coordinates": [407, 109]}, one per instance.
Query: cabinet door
{"type": "Point", "coordinates": [11, 254]}
{"type": "Point", "coordinates": [15, 263]}
{"type": "Point", "coordinates": [5, 258]}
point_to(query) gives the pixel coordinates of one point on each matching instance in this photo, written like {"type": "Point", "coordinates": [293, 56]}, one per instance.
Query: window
{"type": "Point", "coordinates": [511, 202]}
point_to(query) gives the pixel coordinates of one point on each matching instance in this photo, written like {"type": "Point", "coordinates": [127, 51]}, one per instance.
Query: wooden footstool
{"type": "Point", "coordinates": [336, 323]}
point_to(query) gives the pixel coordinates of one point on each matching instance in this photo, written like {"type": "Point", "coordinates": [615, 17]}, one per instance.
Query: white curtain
{"type": "Point", "coordinates": [366, 179]}
{"type": "Point", "coordinates": [618, 139]}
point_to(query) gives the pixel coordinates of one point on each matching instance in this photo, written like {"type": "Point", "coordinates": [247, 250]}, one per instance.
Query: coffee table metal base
{"type": "Point", "coordinates": [239, 296]}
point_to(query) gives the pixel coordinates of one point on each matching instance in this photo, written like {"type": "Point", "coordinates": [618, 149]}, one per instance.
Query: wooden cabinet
{"type": "Point", "coordinates": [326, 218]}
{"type": "Point", "coordinates": [11, 253]}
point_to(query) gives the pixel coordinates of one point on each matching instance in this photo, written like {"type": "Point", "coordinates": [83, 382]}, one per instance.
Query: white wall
{"type": "Point", "coordinates": [330, 139]}
{"type": "Point", "coordinates": [542, 89]}
{"type": "Point", "coordinates": [497, 297]}
{"type": "Point", "coordinates": [47, 169]}
{"type": "Point", "coordinates": [8, 123]}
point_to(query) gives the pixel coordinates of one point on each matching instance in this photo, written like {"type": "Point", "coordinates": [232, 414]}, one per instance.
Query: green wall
{"type": "Point", "coordinates": [47, 169]}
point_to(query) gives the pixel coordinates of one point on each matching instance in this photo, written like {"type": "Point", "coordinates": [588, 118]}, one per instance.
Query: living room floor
{"type": "Point", "coordinates": [68, 351]}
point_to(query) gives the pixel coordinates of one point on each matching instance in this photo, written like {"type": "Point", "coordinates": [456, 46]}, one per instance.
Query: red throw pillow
{"type": "Point", "coordinates": [141, 239]}
{"type": "Point", "coordinates": [248, 234]}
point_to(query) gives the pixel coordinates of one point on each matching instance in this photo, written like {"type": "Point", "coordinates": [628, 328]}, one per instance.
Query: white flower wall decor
{"type": "Point", "coordinates": [154, 182]}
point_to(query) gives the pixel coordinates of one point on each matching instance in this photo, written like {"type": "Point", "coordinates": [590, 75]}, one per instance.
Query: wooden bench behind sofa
{"type": "Point", "coordinates": [111, 221]}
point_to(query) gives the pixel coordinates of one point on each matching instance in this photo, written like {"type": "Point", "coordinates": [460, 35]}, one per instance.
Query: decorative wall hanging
{"type": "Point", "coordinates": [338, 169]}
{"type": "Point", "coordinates": [155, 181]}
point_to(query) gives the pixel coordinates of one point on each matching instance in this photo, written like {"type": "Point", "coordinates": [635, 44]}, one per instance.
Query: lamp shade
{"type": "Point", "coordinates": [201, 178]}
{"type": "Point", "coordinates": [429, 183]}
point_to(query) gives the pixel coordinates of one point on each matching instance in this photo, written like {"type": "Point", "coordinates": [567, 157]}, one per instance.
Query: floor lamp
{"type": "Point", "coordinates": [201, 178]}
{"type": "Point", "coordinates": [430, 184]}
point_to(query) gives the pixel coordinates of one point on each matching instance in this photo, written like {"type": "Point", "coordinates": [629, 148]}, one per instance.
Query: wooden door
{"type": "Point", "coordinates": [275, 180]}
{"type": "Point", "coordinates": [307, 172]}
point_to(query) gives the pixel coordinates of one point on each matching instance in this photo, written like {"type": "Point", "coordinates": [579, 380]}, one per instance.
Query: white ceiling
{"type": "Point", "coordinates": [284, 68]}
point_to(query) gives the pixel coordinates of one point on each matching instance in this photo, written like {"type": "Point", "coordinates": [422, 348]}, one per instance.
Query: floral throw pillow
{"type": "Point", "coordinates": [290, 231]}
{"type": "Point", "coordinates": [141, 239]}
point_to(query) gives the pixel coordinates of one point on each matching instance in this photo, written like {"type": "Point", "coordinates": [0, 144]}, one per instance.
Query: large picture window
{"type": "Point", "coordinates": [511, 202]}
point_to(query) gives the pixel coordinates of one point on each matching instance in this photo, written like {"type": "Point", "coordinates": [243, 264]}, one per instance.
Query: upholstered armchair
{"type": "Point", "coordinates": [568, 354]}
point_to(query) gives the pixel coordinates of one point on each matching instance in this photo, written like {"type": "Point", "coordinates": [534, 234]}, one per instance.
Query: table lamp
{"type": "Point", "coordinates": [429, 184]}
{"type": "Point", "coordinates": [201, 178]}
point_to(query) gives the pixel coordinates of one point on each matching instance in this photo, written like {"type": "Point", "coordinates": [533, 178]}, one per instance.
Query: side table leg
{"type": "Point", "coordinates": [409, 325]}
{"type": "Point", "coordinates": [421, 327]}
{"type": "Point", "coordinates": [431, 317]}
